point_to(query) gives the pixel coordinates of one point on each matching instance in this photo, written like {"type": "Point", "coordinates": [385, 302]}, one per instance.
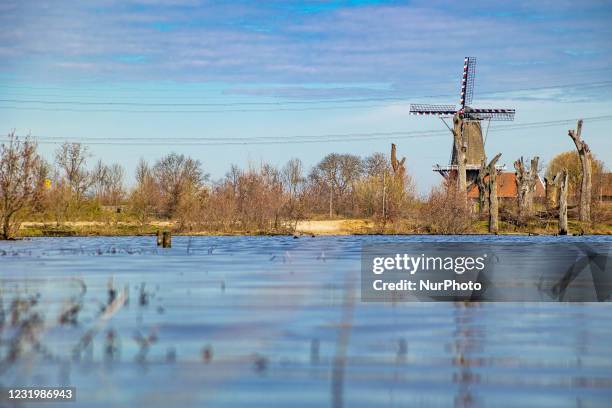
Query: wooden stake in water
{"type": "Point", "coordinates": [159, 238]}
{"type": "Point", "coordinates": [166, 240]}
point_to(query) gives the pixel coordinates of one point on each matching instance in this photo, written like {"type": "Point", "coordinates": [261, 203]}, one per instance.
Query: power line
{"type": "Point", "coordinates": [300, 139]}
{"type": "Point", "coordinates": [514, 126]}
{"type": "Point", "coordinates": [234, 104]}
{"type": "Point", "coordinates": [367, 134]}
{"type": "Point", "coordinates": [188, 111]}
{"type": "Point", "coordinates": [118, 87]}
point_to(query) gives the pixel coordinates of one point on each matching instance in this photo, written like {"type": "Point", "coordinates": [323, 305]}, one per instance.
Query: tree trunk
{"type": "Point", "coordinates": [6, 227]}
{"type": "Point", "coordinates": [10, 226]}
{"type": "Point", "coordinates": [564, 179]}
{"type": "Point", "coordinates": [460, 148]}
{"type": "Point", "coordinates": [399, 167]}
{"type": "Point", "coordinates": [584, 152]}
{"type": "Point", "coordinates": [525, 186]}
{"type": "Point", "coordinates": [493, 202]}
{"type": "Point", "coordinates": [482, 186]}
{"type": "Point", "coordinates": [533, 178]}
{"type": "Point", "coordinates": [552, 192]}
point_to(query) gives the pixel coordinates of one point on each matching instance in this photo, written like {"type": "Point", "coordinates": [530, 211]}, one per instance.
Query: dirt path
{"type": "Point", "coordinates": [334, 227]}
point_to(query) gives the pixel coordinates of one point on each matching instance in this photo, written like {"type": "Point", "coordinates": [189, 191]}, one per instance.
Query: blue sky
{"type": "Point", "coordinates": [110, 71]}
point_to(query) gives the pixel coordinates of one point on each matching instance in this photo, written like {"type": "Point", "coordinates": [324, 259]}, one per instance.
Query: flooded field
{"type": "Point", "coordinates": [277, 321]}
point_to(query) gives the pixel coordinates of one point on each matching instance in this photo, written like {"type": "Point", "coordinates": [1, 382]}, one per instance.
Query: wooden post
{"type": "Point", "coordinates": [159, 238]}
{"type": "Point", "coordinates": [493, 202]}
{"type": "Point", "coordinates": [166, 239]}
{"type": "Point", "coordinates": [563, 179]}
{"type": "Point", "coordinates": [584, 152]}
{"type": "Point", "coordinates": [460, 148]}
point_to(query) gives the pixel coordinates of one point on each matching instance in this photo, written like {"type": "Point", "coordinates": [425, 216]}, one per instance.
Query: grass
{"type": "Point", "coordinates": [109, 223]}
{"type": "Point", "coordinates": [353, 226]}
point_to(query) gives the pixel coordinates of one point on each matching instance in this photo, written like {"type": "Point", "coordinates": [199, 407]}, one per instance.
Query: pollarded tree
{"type": "Point", "coordinates": [562, 179]}
{"type": "Point", "coordinates": [399, 166]}
{"type": "Point", "coordinates": [483, 186]}
{"type": "Point", "coordinates": [491, 173]}
{"type": "Point", "coordinates": [570, 161]}
{"type": "Point", "coordinates": [18, 182]}
{"type": "Point", "coordinates": [526, 184]}
{"type": "Point", "coordinates": [584, 152]}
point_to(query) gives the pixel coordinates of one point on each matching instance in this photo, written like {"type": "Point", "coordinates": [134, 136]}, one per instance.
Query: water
{"type": "Point", "coordinates": [277, 321]}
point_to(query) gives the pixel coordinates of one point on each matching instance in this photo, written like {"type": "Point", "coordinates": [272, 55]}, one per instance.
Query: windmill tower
{"type": "Point", "coordinates": [471, 118]}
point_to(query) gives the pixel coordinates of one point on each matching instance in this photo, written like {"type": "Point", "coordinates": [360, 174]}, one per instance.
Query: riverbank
{"type": "Point", "coordinates": [305, 227]}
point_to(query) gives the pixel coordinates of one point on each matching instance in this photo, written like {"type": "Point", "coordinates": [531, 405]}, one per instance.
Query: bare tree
{"type": "Point", "coordinates": [339, 172]}
{"type": "Point", "coordinates": [18, 181]}
{"type": "Point", "coordinates": [40, 202]}
{"type": "Point", "coordinates": [107, 183]}
{"type": "Point", "coordinates": [444, 211]}
{"type": "Point", "coordinates": [376, 164]}
{"type": "Point", "coordinates": [551, 193]}
{"type": "Point", "coordinates": [71, 158]}
{"type": "Point", "coordinates": [99, 175]}
{"type": "Point", "coordinates": [483, 187]}
{"type": "Point", "coordinates": [145, 195]}
{"type": "Point", "coordinates": [60, 197]}
{"type": "Point", "coordinates": [399, 167]}
{"type": "Point", "coordinates": [114, 185]}
{"type": "Point", "coordinates": [293, 174]}
{"type": "Point", "coordinates": [584, 152]}
{"type": "Point", "coordinates": [525, 185]}
{"type": "Point", "coordinates": [177, 174]}
{"type": "Point", "coordinates": [562, 179]}
{"type": "Point", "coordinates": [491, 172]}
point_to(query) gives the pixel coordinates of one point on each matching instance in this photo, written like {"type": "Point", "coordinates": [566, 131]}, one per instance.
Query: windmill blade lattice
{"type": "Point", "coordinates": [490, 114]}
{"type": "Point", "coordinates": [435, 110]}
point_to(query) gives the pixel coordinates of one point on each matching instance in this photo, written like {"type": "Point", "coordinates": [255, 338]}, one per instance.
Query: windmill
{"type": "Point", "coordinates": [471, 130]}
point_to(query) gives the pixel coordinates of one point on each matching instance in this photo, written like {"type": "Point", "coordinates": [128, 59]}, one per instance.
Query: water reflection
{"type": "Point", "coordinates": [221, 321]}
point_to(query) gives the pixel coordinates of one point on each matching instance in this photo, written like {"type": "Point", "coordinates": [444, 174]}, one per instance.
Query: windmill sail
{"type": "Point", "coordinates": [490, 114]}
{"type": "Point", "coordinates": [471, 118]}
{"type": "Point", "coordinates": [436, 110]}
{"type": "Point", "coordinates": [467, 81]}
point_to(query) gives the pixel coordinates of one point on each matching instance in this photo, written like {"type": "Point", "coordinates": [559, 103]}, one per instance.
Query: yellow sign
{"type": "Point", "coordinates": [47, 183]}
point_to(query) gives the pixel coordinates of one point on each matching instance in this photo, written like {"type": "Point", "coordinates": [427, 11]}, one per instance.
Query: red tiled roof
{"type": "Point", "coordinates": [506, 187]}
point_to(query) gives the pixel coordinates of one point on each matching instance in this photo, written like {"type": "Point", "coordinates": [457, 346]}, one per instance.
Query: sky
{"type": "Point", "coordinates": [251, 81]}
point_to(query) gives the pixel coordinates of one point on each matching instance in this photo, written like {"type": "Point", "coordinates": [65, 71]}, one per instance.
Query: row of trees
{"type": "Point", "coordinates": [265, 197]}
{"type": "Point", "coordinates": [557, 182]}
{"type": "Point", "coordinates": [175, 187]}
{"type": "Point", "coordinates": [257, 198]}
